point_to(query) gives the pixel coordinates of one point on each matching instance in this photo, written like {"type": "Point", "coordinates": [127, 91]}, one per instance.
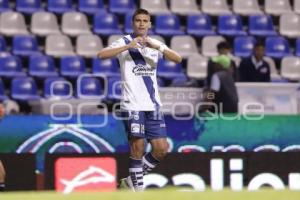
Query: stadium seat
{"type": "Point", "coordinates": [261, 25]}
{"type": "Point", "coordinates": [159, 38]}
{"type": "Point", "coordinates": [58, 46]}
{"type": "Point", "coordinates": [169, 69]}
{"type": "Point", "coordinates": [297, 6]}
{"type": "Point", "coordinates": [277, 47]}
{"type": "Point", "coordinates": [185, 45]}
{"type": "Point", "coordinates": [277, 7]}
{"type": "Point", "coordinates": [157, 7]}
{"type": "Point", "coordinates": [42, 66]}
{"type": "Point", "coordinates": [167, 25]}
{"type": "Point", "coordinates": [215, 7]}
{"type": "Point", "coordinates": [114, 91]}
{"type": "Point", "coordinates": [4, 6]}
{"type": "Point", "coordinates": [74, 24]}
{"type": "Point", "coordinates": [243, 46]}
{"type": "Point", "coordinates": [230, 25]}
{"type": "Point", "coordinates": [57, 87]}
{"type": "Point", "coordinates": [209, 45]}
{"type": "Point", "coordinates": [246, 7]}
{"type": "Point", "coordinates": [289, 25]}
{"type": "Point", "coordinates": [88, 45]}
{"type": "Point", "coordinates": [106, 24]}
{"type": "Point", "coordinates": [297, 53]}
{"type": "Point", "coordinates": [60, 6]}
{"type": "Point", "coordinates": [12, 23]}
{"type": "Point", "coordinates": [197, 66]}
{"type": "Point", "coordinates": [274, 72]}
{"type": "Point", "coordinates": [44, 23]}
{"type": "Point", "coordinates": [29, 6]}
{"type": "Point", "coordinates": [89, 88]}
{"type": "Point", "coordinates": [199, 25]}
{"type": "Point", "coordinates": [3, 46]}
{"type": "Point", "coordinates": [107, 67]}
{"type": "Point", "coordinates": [185, 7]}
{"type": "Point", "coordinates": [25, 45]}
{"type": "Point", "coordinates": [121, 6]}
{"type": "Point", "coordinates": [11, 66]}
{"type": "Point", "coordinates": [290, 68]}
{"type": "Point", "coordinates": [24, 88]}
{"type": "Point", "coordinates": [90, 6]}
{"type": "Point", "coordinates": [72, 66]}
{"type": "Point", "coordinates": [113, 38]}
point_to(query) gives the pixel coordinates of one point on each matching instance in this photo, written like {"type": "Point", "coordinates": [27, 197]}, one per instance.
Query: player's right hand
{"type": "Point", "coordinates": [136, 42]}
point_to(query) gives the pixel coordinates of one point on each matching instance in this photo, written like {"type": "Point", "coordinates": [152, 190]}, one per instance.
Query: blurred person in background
{"type": "Point", "coordinates": [224, 48]}
{"type": "Point", "coordinates": [221, 90]}
{"type": "Point", "coordinates": [255, 68]}
{"type": "Point", "coordinates": [138, 55]}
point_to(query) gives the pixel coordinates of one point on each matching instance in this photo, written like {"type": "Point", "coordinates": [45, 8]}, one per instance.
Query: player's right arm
{"type": "Point", "coordinates": [1, 110]}
{"type": "Point", "coordinates": [110, 51]}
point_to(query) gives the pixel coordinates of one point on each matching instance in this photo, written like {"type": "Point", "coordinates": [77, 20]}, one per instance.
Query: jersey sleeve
{"type": "Point", "coordinates": [118, 43]}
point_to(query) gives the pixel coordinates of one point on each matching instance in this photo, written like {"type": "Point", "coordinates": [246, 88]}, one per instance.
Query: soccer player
{"type": "Point", "coordinates": [138, 55]}
{"type": "Point", "coordinates": [2, 171]}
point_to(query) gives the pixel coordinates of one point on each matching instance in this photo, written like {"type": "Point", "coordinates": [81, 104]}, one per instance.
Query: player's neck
{"type": "Point", "coordinates": [134, 35]}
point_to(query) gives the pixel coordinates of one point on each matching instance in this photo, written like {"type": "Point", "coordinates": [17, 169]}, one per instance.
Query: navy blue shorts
{"type": "Point", "coordinates": [144, 124]}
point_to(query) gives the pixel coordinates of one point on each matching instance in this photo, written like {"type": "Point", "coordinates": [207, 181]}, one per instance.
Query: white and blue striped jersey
{"type": "Point", "coordinates": [138, 71]}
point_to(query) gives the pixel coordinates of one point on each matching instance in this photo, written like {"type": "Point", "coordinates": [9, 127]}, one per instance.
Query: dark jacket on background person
{"type": "Point", "coordinates": [248, 72]}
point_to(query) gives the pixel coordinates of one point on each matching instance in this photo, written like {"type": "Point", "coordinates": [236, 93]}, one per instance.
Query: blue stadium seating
{"type": "Point", "coordinates": [277, 47]}
{"type": "Point", "coordinates": [89, 88]}
{"type": "Point", "coordinates": [243, 45]}
{"type": "Point", "coordinates": [107, 67]}
{"type": "Point", "coordinates": [90, 6]}
{"type": "Point", "coordinates": [72, 66]}
{"type": "Point", "coordinates": [2, 44]}
{"type": "Point", "coordinates": [199, 25]}
{"type": "Point", "coordinates": [261, 25]}
{"type": "Point", "coordinates": [169, 69]}
{"type": "Point", "coordinates": [11, 66]}
{"type": "Point", "coordinates": [106, 24]}
{"type": "Point", "coordinates": [230, 25]}
{"type": "Point", "coordinates": [25, 45]}
{"type": "Point", "coordinates": [60, 6]}
{"type": "Point", "coordinates": [114, 91]}
{"type": "Point", "coordinates": [57, 87]}
{"type": "Point", "coordinates": [29, 6]}
{"type": "Point", "coordinates": [167, 25]}
{"type": "Point", "coordinates": [4, 6]}
{"type": "Point", "coordinates": [24, 88]}
{"type": "Point", "coordinates": [42, 66]}
{"type": "Point", "coordinates": [297, 47]}
{"type": "Point", "coordinates": [121, 6]}
{"type": "Point", "coordinates": [3, 96]}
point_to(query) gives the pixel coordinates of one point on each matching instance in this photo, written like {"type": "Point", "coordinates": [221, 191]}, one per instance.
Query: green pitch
{"type": "Point", "coordinates": [163, 194]}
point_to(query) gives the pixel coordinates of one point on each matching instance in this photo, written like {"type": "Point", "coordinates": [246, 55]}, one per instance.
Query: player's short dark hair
{"type": "Point", "coordinates": [140, 11]}
{"type": "Point", "coordinates": [223, 45]}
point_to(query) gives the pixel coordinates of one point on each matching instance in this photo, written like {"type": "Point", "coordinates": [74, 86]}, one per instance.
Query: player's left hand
{"type": "Point", "coordinates": [150, 43]}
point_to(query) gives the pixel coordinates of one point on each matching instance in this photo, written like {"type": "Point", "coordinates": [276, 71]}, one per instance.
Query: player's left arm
{"type": "Point", "coordinates": [2, 111]}
{"type": "Point", "coordinates": [167, 52]}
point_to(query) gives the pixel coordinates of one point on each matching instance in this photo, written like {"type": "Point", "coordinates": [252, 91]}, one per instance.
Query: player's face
{"type": "Point", "coordinates": [259, 52]}
{"type": "Point", "coordinates": [141, 24]}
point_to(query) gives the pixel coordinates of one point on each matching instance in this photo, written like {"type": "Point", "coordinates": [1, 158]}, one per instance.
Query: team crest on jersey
{"type": "Point", "coordinates": [143, 70]}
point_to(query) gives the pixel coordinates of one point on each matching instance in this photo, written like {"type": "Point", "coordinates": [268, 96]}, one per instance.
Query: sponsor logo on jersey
{"type": "Point", "coordinates": [142, 70]}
